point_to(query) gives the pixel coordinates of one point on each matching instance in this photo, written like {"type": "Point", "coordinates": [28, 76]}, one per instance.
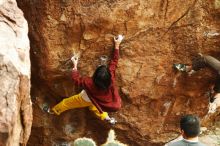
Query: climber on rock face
{"type": "Point", "coordinates": [198, 63]}
{"type": "Point", "coordinates": [190, 130]}
{"type": "Point", "coordinates": [99, 92]}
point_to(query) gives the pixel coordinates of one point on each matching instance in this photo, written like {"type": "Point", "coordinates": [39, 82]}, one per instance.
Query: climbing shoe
{"type": "Point", "coordinates": [47, 109]}
{"type": "Point", "coordinates": [180, 67]}
{"type": "Point", "coordinates": [112, 121]}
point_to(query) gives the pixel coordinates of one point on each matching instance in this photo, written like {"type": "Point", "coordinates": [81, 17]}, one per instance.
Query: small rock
{"type": "Point", "coordinates": [203, 129]}
{"type": "Point", "coordinates": [217, 4]}
{"type": "Point", "coordinates": [178, 113]}
{"type": "Point", "coordinates": [89, 35]}
{"type": "Point", "coordinates": [69, 129]}
{"type": "Point", "coordinates": [63, 18]}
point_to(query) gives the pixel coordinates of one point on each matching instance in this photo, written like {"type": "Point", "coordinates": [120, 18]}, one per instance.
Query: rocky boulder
{"type": "Point", "coordinates": [157, 33]}
{"type": "Point", "coordinates": [15, 102]}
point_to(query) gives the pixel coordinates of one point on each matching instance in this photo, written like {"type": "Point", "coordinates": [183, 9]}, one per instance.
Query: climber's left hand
{"type": "Point", "coordinates": [75, 60]}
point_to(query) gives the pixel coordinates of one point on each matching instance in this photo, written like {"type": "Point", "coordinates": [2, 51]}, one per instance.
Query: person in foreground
{"type": "Point", "coordinates": [190, 130]}
{"type": "Point", "coordinates": [99, 91]}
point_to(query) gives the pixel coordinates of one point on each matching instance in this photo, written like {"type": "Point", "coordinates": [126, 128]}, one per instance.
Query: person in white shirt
{"type": "Point", "coordinates": [190, 129]}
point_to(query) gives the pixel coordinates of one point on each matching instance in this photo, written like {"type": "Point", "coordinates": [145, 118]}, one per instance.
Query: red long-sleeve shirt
{"type": "Point", "coordinates": [104, 100]}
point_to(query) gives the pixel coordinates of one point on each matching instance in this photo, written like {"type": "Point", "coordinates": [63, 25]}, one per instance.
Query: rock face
{"type": "Point", "coordinates": [157, 33]}
{"type": "Point", "coordinates": [211, 137]}
{"type": "Point", "coordinates": [15, 102]}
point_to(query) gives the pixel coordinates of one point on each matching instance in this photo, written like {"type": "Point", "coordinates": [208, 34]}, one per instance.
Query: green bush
{"type": "Point", "coordinates": [84, 142]}
{"type": "Point", "coordinates": [111, 141]}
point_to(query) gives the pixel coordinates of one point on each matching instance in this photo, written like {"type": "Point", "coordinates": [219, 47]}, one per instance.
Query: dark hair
{"type": "Point", "coordinates": [190, 124]}
{"type": "Point", "coordinates": [102, 77]}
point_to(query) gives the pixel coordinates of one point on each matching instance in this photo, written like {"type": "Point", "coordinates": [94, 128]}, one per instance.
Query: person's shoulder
{"type": "Point", "coordinates": [88, 80]}
{"type": "Point", "coordinates": [177, 143]}
{"type": "Point", "coordinates": [202, 144]}
{"type": "Point", "coordinates": [88, 83]}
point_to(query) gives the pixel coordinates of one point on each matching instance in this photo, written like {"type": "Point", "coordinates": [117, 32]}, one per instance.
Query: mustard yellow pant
{"type": "Point", "coordinates": [77, 101]}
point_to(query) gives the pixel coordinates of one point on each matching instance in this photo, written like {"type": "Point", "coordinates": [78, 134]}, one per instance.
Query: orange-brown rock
{"type": "Point", "coordinates": [15, 101]}
{"type": "Point", "coordinates": [157, 33]}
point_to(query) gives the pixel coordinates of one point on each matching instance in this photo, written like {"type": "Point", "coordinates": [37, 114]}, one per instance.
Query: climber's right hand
{"type": "Point", "coordinates": [118, 40]}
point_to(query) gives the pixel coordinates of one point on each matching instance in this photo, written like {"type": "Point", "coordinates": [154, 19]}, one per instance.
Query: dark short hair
{"type": "Point", "coordinates": [102, 77]}
{"type": "Point", "coordinates": [190, 124]}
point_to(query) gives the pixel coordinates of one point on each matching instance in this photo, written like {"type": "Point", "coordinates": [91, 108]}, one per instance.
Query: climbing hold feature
{"type": "Point", "coordinates": [179, 67]}
{"type": "Point", "coordinates": [111, 140]}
